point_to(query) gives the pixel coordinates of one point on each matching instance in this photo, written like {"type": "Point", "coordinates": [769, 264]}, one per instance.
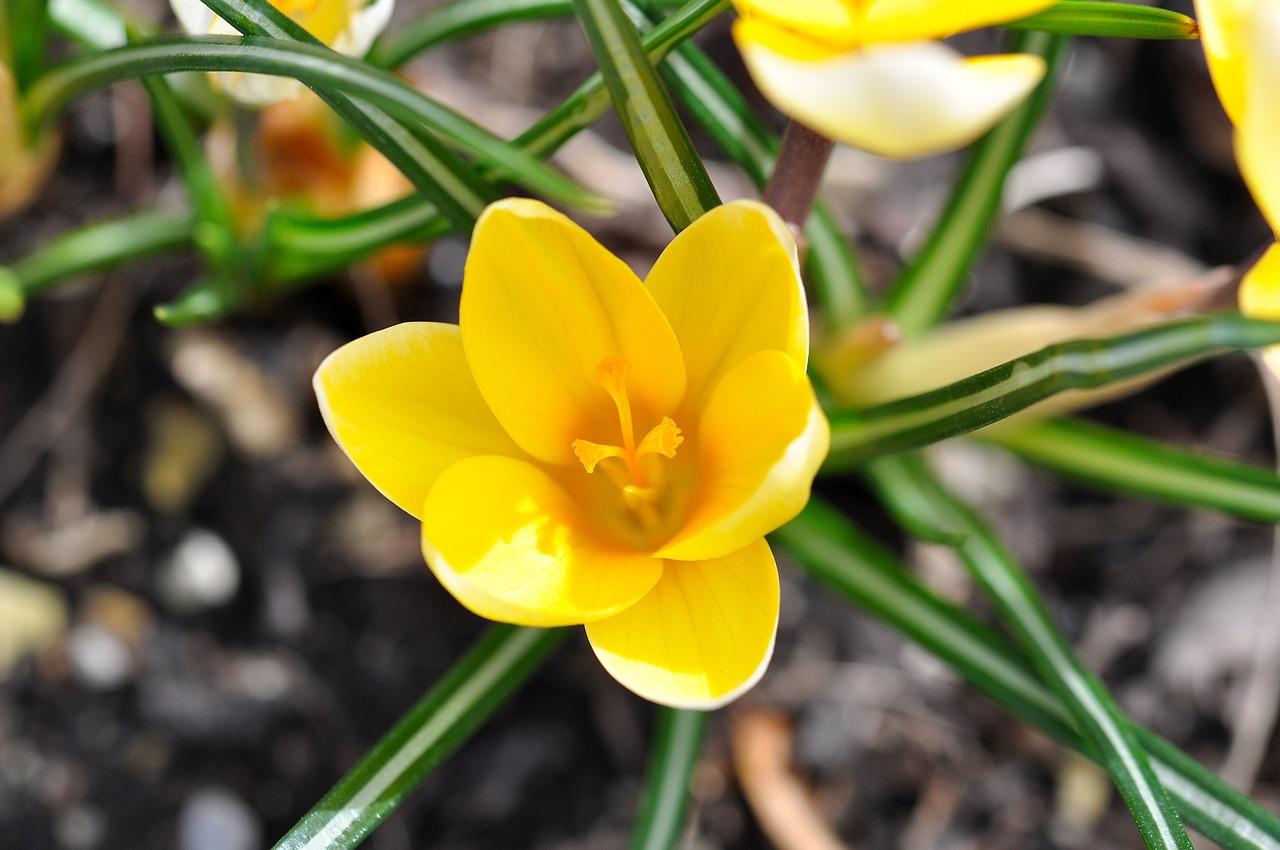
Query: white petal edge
{"type": "Point", "coordinates": [901, 101]}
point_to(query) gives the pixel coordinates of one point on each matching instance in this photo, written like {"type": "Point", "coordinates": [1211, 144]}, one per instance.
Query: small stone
{"type": "Point", "coordinates": [216, 819]}
{"type": "Point", "coordinates": [80, 827]}
{"type": "Point", "coordinates": [202, 573]}
{"type": "Point", "coordinates": [100, 658]}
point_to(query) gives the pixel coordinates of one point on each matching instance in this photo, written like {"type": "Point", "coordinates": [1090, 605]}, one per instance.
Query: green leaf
{"type": "Point", "coordinates": [300, 246]}
{"type": "Point", "coordinates": [507, 160]}
{"type": "Point", "coordinates": [930, 283]}
{"type": "Point", "coordinates": [296, 246]}
{"type": "Point", "coordinates": [311, 246]}
{"type": "Point", "coordinates": [458, 19]}
{"type": "Point", "coordinates": [660, 141]}
{"type": "Point", "coordinates": [214, 231]}
{"type": "Point", "coordinates": [1117, 20]}
{"type": "Point", "coordinates": [432, 729]}
{"type": "Point", "coordinates": [996, 393]}
{"type": "Point", "coordinates": [666, 793]}
{"type": "Point", "coordinates": [327, 71]}
{"type": "Point", "coordinates": [909, 488]}
{"type": "Point", "coordinates": [25, 26]}
{"type": "Point", "coordinates": [1115, 460]}
{"type": "Point", "coordinates": [841, 557]}
{"type": "Point", "coordinates": [103, 245]}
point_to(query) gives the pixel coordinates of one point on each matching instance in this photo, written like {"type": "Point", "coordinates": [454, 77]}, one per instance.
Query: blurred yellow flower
{"type": "Point", "coordinates": [872, 74]}
{"type": "Point", "coordinates": [1242, 43]}
{"type": "Point", "coordinates": [348, 26]}
{"type": "Point", "coordinates": [589, 448]}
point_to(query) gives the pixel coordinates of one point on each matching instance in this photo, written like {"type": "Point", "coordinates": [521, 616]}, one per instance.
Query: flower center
{"type": "Point", "coordinates": [640, 487]}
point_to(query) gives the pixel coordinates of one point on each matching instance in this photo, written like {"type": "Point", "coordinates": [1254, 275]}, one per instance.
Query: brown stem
{"type": "Point", "coordinates": [794, 184]}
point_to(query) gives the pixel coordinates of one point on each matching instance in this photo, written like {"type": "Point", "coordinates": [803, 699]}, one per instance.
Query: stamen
{"type": "Point", "coordinates": [662, 439]}
{"type": "Point", "coordinates": [590, 453]}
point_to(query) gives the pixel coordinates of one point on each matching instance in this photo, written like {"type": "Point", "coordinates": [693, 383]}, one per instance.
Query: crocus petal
{"type": "Point", "coordinates": [700, 284]}
{"type": "Point", "coordinates": [1220, 23]}
{"type": "Point", "coordinates": [761, 439]}
{"type": "Point", "coordinates": [872, 21]}
{"type": "Point", "coordinates": [1259, 126]}
{"type": "Point", "coordinates": [897, 100]}
{"type": "Point", "coordinates": [702, 636]}
{"type": "Point", "coordinates": [402, 404]}
{"type": "Point", "coordinates": [366, 25]}
{"type": "Point", "coordinates": [911, 20]}
{"type": "Point", "coordinates": [1260, 289]}
{"type": "Point", "coordinates": [1260, 298]}
{"type": "Point", "coordinates": [830, 21]}
{"type": "Point", "coordinates": [511, 545]}
{"type": "Point", "coordinates": [543, 304]}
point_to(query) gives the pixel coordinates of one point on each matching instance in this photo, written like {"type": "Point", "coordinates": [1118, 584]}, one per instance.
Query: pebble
{"type": "Point", "coordinates": [100, 658]}
{"type": "Point", "coordinates": [202, 573]}
{"type": "Point", "coordinates": [216, 819]}
{"type": "Point", "coordinates": [80, 827]}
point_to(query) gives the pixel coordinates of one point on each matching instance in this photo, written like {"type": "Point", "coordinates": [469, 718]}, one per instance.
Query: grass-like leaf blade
{"type": "Point", "coordinates": [672, 756]}
{"type": "Point", "coordinates": [841, 557]}
{"type": "Point", "coordinates": [1116, 20]}
{"type": "Point", "coordinates": [996, 393]}
{"type": "Point", "coordinates": [432, 729]}
{"type": "Point", "coordinates": [912, 492]}
{"type": "Point", "coordinates": [1116, 460]}
{"type": "Point", "coordinates": [458, 19]}
{"type": "Point", "coordinates": [659, 140]}
{"type": "Point", "coordinates": [102, 245]}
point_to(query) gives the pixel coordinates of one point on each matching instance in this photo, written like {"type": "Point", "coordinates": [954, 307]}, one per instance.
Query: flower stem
{"type": "Point", "coordinates": [797, 174]}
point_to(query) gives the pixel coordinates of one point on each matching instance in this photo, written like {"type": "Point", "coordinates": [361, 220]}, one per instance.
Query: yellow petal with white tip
{"type": "Point", "coordinates": [702, 636]}
{"type": "Point", "coordinates": [898, 100]}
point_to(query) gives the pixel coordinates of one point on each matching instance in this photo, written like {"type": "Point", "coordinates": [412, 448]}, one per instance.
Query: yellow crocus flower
{"type": "Point", "coordinates": [588, 448]}
{"type": "Point", "coordinates": [872, 74]}
{"type": "Point", "coordinates": [348, 26]}
{"type": "Point", "coordinates": [1242, 43]}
